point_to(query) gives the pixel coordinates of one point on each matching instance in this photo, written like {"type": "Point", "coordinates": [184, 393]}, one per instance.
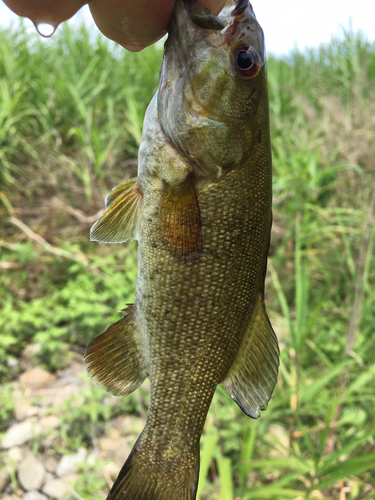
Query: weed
{"type": "Point", "coordinates": [72, 134]}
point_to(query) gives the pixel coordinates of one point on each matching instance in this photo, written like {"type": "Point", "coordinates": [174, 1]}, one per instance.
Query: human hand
{"type": "Point", "coordinates": [134, 24]}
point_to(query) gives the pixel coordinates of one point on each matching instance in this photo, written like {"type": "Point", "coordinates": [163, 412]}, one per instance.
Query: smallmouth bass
{"type": "Point", "coordinates": [200, 209]}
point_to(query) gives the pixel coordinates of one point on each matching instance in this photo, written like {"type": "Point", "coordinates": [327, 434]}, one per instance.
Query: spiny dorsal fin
{"type": "Point", "coordinates": [115, 360]}
{"type": "Point", "coordinates": [119, 221]}
{"type": "Point", "coordinates": [253, 374]}
{"type": "Point", "coordinates": [180, 219]}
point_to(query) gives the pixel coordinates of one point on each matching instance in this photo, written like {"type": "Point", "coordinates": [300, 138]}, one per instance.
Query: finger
{"type": "Point", "coordinates": [132, 24]}
{"type": "Point", "coordinates": [137, 24]}
{"type": "Point", "coordinates": [45, 11]}
{"type": "Point", "coordinates": [214, 5]}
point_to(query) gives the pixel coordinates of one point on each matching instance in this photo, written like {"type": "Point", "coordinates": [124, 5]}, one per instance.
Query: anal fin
{"type": "Point", "coordinates": [119, 221]}
{"type": "Point", "coordinates": [253, 374]}
{"type": "Point", "coordinates": [114, 359]}
{"type": "Point", "coordinates": [180, 219]}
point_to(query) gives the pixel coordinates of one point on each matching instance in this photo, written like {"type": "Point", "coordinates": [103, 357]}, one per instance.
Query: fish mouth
{"type": "Point", "coordinates": [235, 25]}
{"type": "Point", "coordinates": [204, 18]}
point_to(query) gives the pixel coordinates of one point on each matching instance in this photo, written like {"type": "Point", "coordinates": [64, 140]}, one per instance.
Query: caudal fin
{"type": "Point", "coordinates": [139, 480]}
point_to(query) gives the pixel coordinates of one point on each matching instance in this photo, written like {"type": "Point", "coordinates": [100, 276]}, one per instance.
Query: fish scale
{"type": "Point", "coordinates": [200, 209]}
{"type": "Point", "coordinates": [230, 304]}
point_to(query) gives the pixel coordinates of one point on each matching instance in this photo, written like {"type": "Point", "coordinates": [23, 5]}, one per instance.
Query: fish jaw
{"type": "Point", "coordinates": [207, 109]}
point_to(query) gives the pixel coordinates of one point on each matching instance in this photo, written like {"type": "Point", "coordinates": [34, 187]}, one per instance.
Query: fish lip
{"type": "Point", "coordinates": [240, 26]}
{"type": "Point", "coordinates": [203, 17]}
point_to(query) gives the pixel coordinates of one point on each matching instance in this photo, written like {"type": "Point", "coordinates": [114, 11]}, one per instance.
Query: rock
{"type": "Point", "coordinates": [112, 468]}
{"type": "Point", "coordinates": [122, 453]}
{"type": "Point", "coordinates": [28, 355]}
{"type": "Point", "coordinates": [59, 488]}
{"type": "Point", "coordinates": [48, 440]}
{"type": "Point", "coordinates": [131, 425]}
{"type": "Point", "coordinates": [77, 368]}
{"type": "Point", "coordinates": [48, 477]}
{"type": "Point", "coordinates": [316, 494]}
{"type": "Point", "coordinates": [49, 422]}
{"type": "Point", "coordinates": [108, 444]}
{"type": "Point", "coordinates": [31, 473]}
{"type": "Point", "coordinates": [36, 378]}
{"type": "Point", "coordinates": [50, 464]}
{"type": "Point", "coordinates": [72, 375]}
{"type": "Point", "coordinates": [55, 488]}
{"type": "Point", "coordinates": [23, 409]}
{"type": "Point", "coordinates": [34, 495]}
{"type": "Point", "coordinates": [20, 434]}
{"type": "Point", "coordinates": [118, 449]}
{"type": "Point", "coordinates": [15, 454]}
{"type": "Point", "coordinates": [4, 477]}
{"type": "Point", "coordinates": [12, 362]}
{"type": "Point", "coordinates": [70, 479]}
{"type": "Point", "coordinates": [60, 394]}
{"type": "Point", "coordinates": [91, 460]}
{"type": "Point", "coordinates": [69, 463]}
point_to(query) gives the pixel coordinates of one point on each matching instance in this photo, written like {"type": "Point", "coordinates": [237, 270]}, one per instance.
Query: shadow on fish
{"type": "Point", "coordinates": [200, 209]}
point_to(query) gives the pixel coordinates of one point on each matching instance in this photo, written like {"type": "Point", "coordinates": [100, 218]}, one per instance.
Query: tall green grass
{"type": "Point", "coordinates": [71, 115]}
{"type": "Point", "coordinates": [75, 101]}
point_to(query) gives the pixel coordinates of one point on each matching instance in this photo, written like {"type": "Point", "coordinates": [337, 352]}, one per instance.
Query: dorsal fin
{"type": "Point", "coordinates": [119, 221]}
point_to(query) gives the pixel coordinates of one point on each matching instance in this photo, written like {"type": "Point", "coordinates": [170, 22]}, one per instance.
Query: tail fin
{"type": "Point", "coordinates": [138, 480]}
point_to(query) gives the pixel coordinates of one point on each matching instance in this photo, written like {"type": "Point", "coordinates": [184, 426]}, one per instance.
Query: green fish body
{"type": "Point", "coordinates": [200, 209]}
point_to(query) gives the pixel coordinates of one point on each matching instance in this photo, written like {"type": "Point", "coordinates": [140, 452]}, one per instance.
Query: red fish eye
{"type": "Point", "coordinates": [245, 62]}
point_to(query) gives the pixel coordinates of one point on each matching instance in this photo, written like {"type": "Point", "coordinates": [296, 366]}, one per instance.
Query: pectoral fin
{"type": "Point", "coordinates": [180, 219]}
{"type": "Point", "coordinates": [253, 374]}
{"type": "Point", "coordinates": [115, 360]}
{"type": "Point", "coordinates": [119, 221]}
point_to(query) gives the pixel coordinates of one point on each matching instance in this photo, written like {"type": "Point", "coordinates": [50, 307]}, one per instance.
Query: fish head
{"type": "Point", "coordinates": [212, 89]}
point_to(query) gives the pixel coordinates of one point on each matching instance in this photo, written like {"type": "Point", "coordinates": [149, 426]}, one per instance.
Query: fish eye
{"type": "Point", "coordinates": [246, 62]}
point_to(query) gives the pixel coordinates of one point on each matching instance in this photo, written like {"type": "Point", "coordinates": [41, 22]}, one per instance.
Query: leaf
{"type": "Point", "coordinates": [310, 391]}
{"type": "Point", "coordinates": [350, 467]}
{"type": "Point", "coordinates": [207, 454]}
{"type": "Point", "coordinates": [225, 475]}
{"type": "Point", "coordinates": [299, 464]}
{"type": "Point", "coordinates": [266, 492]}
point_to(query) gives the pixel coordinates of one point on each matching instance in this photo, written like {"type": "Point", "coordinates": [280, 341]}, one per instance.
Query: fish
{"type": "Point", "coordinates": [200, 209]}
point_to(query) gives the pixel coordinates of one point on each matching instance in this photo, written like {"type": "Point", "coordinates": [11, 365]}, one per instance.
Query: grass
{"type": "Point", "coordinates": [71, 133]}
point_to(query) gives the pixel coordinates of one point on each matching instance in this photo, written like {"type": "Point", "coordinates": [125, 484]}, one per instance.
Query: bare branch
{"type": "Point", "coordinates": [78, 257]}
{"type": "Point", "coordinates": [47, 246]}
{"type": "Point", "coordinates": [78, 214]}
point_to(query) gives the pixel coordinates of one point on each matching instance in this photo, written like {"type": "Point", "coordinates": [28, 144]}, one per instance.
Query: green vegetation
{"type": "Point", "coordinates": [71, 113]}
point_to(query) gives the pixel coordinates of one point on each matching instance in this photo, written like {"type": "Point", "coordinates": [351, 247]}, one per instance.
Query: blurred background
{"type": "Point", "coordinates": [71, 112]}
